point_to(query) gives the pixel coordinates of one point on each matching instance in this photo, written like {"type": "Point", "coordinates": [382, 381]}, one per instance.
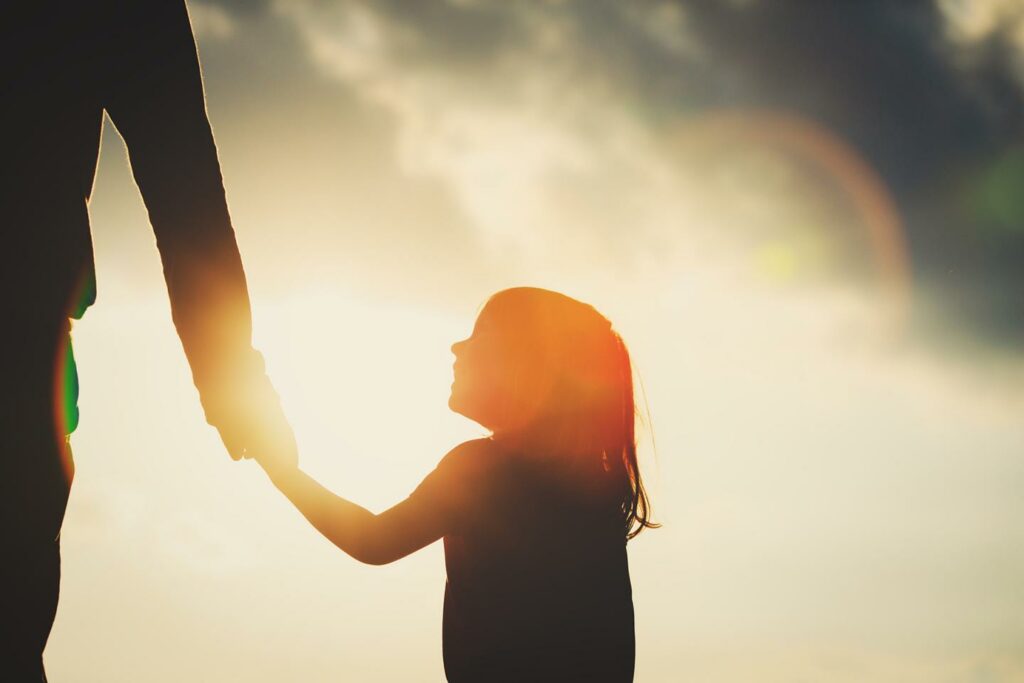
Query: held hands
{"type": "Point", "coordinates": [246, 411]}
{"type": "Point", "coordinates": [276, 453]}
{"type": "Point", "coordinates": [270, 440]}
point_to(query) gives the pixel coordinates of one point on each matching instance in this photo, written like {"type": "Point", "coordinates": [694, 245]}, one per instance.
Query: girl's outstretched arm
{"type": "Point", "coordinates": [368, 537]}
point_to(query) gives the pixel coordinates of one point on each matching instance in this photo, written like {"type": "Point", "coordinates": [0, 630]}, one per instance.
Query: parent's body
{"type": "Point", "coordinates": [63, 65]}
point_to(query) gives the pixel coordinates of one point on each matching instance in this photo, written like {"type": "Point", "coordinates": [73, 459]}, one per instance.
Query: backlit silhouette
{"type": "Point", "coordinates": [64, 64]}
{"type": "Point", "coordinates": [534, 518]}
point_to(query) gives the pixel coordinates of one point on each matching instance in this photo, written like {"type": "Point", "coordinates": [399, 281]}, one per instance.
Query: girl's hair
{"type": "Point", "coordinates": [573, 392]}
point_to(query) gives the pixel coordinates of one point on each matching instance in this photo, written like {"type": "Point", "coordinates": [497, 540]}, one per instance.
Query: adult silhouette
{"type": "Point", "coordinates": [63, 64]}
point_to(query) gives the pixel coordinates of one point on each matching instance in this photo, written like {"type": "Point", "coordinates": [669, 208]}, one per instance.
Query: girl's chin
{"type": "Point", "coordinates": [457, 404]}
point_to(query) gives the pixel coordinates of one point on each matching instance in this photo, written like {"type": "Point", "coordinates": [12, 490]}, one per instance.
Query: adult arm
{"type": "Point", "coordinates": [154, 96]}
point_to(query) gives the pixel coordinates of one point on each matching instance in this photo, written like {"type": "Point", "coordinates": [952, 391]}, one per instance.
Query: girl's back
{"type": "Point", "coordinates": [538, 583]}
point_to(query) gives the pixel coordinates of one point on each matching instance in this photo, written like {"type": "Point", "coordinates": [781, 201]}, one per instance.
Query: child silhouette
{"type": "Point", "coordinates": [534, 518]}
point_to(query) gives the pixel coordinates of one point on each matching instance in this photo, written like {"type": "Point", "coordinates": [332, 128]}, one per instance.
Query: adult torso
{"type": "Point", "coordinates": [55, 57]}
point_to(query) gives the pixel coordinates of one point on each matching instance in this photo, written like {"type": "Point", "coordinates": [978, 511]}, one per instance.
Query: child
{"type": "Point", "coordinates": [534, 518]}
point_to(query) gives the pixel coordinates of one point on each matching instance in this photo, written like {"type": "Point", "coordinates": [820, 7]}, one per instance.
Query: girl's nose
{"type": "Point", "coordinates": [457, 346]}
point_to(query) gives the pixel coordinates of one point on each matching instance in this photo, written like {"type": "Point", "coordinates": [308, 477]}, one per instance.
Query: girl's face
{"type": "Point", "coordinates": [483, 378]}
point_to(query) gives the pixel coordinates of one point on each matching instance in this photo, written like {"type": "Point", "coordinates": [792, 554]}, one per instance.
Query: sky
{"type": "Point", "coordinates": [803, 219]}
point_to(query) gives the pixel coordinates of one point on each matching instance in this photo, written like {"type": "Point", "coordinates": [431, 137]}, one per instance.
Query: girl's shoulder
{"type": "Point", "coordinates": [477, 462]}
{"type": "Point", "coordinates": [462, 473]}
{"type": "Point", "coordinates": [484, 444]}
{"type": "Point", "coordinates": [472, 455]}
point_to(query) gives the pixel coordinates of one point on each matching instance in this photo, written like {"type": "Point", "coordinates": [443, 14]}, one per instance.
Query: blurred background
{"type": "Point", "coordinates": [806, 219]}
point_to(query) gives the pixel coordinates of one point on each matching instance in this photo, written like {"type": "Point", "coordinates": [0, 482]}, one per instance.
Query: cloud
{"type": "Point", "coordinates": [472, 97]}
{"type": "Point", "coordinates": [971, 23]}
{"type": "Point", "coordinates": [210, 21]}
{"type": "Point", "coordinates": [551, 124]}
{"type": "Point", "coordinates": [930, 113]}
{"type": "Point", "coordinates": [313, 178]}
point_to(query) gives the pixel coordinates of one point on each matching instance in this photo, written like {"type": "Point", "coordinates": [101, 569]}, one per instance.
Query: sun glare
{"type": "Point", "coordinates": [366, 385]}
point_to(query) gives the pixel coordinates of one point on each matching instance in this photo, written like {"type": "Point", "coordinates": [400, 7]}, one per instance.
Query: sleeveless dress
{"type": "Point", "coordinates": [538, 582]}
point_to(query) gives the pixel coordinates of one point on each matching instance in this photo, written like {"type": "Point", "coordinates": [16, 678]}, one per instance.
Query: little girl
{"type": "Point", "coordinates": [534, 518]}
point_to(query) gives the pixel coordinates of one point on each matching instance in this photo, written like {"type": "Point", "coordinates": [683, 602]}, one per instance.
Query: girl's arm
{"type": "Point", "coordinates": [368, 537]}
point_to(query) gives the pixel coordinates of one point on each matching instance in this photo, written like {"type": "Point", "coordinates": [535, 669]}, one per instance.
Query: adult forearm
{"type": "Point", "coordinates": [209, 294]}
{"type": "Point", "coordinates": [202, 265]}
{"type": "Point", "coordinates": [205, 279]}
{"type": "Point", "coordinates": [175, 164]}
{"type": "Point", "coordinates": [210, 308]}
{"type": "Point", "coordinates": [153, 93]}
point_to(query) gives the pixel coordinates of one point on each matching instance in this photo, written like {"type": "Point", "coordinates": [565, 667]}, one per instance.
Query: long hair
{"type": "Point", "coordinates": [573, 395]}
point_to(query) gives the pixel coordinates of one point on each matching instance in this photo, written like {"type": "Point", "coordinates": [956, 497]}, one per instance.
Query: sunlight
{"type": "Point", "coordinates": [366, 386]}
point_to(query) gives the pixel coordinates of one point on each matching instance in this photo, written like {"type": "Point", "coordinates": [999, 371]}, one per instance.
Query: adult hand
{"type": "Point", "coordinates": [247, 413]}
{"type": "Point", "coordinates": [260, 430]}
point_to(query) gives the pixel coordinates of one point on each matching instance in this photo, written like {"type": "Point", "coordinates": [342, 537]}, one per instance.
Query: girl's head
{"type": "Point", "coordinates": [548, 372]}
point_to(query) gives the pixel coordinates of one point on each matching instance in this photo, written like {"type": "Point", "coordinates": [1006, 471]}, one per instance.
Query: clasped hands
{"type": "Point", "coordinates": [246, 411]}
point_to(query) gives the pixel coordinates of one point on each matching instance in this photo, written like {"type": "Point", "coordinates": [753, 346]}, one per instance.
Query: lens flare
{"type": "Point", "coordinates": [826, 151]}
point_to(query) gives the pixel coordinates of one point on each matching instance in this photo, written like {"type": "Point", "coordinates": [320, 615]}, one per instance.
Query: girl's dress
{"type": "Point", "coordinates": [538, 582]}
